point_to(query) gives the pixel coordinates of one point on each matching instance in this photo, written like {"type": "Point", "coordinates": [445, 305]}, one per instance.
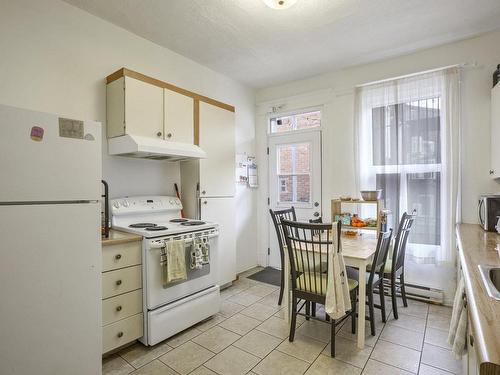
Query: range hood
{"type": "Point", "coordinates": [150, 148]}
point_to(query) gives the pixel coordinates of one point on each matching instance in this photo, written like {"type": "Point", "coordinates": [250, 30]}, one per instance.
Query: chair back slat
{"type": "Point", "coordinates": [405, 225]}
{"type": "Point", "coordinates": [380, 257]}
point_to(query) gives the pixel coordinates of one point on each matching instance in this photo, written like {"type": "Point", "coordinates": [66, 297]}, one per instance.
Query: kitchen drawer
{"type": "Point", "coordinates": [121, 255]}
{"type": "Point", "coordinates": [122, 306]}
{"type": "Point", "coordinates": [122, 332]}
{"type": "Point", "coordinates": [121, 281]}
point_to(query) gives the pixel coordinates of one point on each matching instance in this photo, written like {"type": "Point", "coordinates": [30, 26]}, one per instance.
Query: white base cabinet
{"type": "Point", "coordinates": [122, 318]}
{"type": "Point", "coordinates": [222, 211]}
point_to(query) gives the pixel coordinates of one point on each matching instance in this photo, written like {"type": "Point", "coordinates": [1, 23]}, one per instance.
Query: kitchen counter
{"type": "Point", "coordinates": [117, 237]}
{"type": "Point", "coordinates": [478, 247]}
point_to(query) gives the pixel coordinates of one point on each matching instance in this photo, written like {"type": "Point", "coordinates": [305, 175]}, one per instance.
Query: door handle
{"type": "Point", "coordinates": [316, 204]}
{"type": "Point", "coordinates": [316, 214]}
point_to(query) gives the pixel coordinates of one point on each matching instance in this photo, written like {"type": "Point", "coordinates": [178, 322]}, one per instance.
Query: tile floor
{"type": "Point", "coordinates": [249, 336]}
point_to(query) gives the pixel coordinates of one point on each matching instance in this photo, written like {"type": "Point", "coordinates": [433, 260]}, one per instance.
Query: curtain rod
{"type": "Point", "coordinates": [461, 65]}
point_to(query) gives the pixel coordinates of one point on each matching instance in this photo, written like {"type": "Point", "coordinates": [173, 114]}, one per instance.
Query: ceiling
{"type": "Point", "coordinates": [261, 47]}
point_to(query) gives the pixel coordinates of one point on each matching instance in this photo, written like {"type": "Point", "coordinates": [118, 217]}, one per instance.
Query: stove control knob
{"type": "Point", "coordinates": [116, 205]}
{"type": "Point", "coordinates": [125, 204]}
{"type": "Point", "coordinates": [171, 201]}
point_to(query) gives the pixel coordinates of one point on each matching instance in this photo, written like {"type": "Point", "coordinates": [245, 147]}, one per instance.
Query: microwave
{"type": "Point", "coordinates": [489, 210]}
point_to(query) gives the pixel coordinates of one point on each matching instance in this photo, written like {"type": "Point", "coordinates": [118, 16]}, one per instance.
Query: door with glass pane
{"type": "Point", "coordinates": [294, 180]}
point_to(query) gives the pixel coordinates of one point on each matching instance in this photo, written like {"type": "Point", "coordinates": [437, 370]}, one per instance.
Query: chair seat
{"type": "Point", "coordinates": [353, 273]}
{"type": "Point", "coordinates": [387, 269]}
{"type": "Point", "coordinates": [316, 283]}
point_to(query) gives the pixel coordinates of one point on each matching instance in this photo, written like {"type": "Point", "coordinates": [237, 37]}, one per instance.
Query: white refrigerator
{"type": "Point", "coordinates": [50, 250]}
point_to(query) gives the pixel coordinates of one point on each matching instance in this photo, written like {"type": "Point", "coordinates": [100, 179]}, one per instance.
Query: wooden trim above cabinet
{"type": "Point", "coordinates": [196, 117]}
{"type": "Point", "coordinates": [153, 81]}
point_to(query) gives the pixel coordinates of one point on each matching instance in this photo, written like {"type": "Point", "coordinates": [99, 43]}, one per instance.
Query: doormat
{"type": "Point", "coordinates": [268, 275]}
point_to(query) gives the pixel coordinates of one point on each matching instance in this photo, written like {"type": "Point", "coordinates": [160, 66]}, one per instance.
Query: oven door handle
{"type": "Point", "coordinates": [188, 241]}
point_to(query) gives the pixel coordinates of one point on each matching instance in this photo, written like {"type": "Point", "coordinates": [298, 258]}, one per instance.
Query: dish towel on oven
{"type": "Point", "coordinates": [457, 335]}
{"type": "Point", "coordinates": [200, 253]}
{"type": "Point", "coordinates": [338, 299]}
{"type": "Point", "coordinates": [173, 262]}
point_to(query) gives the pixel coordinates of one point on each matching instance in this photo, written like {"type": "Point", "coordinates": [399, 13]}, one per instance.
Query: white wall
{"type": "Point", "coordinates": [54, 58]}
{"type": "Point", "coordinates": [335, 90]}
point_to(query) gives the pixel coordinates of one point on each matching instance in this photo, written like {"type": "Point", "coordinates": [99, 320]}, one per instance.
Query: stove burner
{"type": "Point", "coordinates": [193, 223]}
{"type": "Point", "coordinates": [142, 225]}
{"type": "Point", "coordinates": [178, 220]}
{"type": "Point", "coordinates": [155, 228]}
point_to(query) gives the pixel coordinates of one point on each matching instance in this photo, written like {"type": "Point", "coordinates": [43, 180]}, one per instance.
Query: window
{"type": "Point", "coordinates": [294, 172]}
{"type": "Point", "coordinates": [302, 121]}
{"type": "Point", "coordinates": [405, 140]}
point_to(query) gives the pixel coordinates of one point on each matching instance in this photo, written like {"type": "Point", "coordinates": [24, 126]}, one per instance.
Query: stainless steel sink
{"type": "Point", "coordinates": [491, 280]}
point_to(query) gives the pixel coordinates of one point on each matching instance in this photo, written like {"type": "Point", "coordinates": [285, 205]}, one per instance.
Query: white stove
{"type": "Point", "coordinates": [171, 307]}
{"type": "Point", "coordinates": [153, 216]}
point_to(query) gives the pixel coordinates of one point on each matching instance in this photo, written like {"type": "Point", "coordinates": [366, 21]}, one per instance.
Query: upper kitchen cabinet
{"type": "Point", "coordinates": [134, 107]}
{"type": "Point", "coordinates": [495, 132]}
{"type": "Point", "coordinates": [216, 138]}
{"type": "Point", "coordinates": [178, 117]}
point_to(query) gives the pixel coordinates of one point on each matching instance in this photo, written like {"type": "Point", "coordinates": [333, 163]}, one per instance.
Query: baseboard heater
{"type": "Point", "coordinates": [424, 293]}
{"type": "Point", "coordinates": [421, 293]}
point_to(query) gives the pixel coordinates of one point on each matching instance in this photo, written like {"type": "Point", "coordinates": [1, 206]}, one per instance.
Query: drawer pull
{"type": "Point", "coordinates": [120, 334]}
{"type": "Point", "coordinates": [118, 308]}
{"type": "Point", "coordinates": [118, 282]}
{"type": "Point", "coordinates": [118, 256]}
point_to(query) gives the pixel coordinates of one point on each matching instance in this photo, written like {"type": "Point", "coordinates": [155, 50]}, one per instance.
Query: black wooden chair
{"type": "Point", "coordinates": [309, 283]}
{"type": "Point", "coordinates": [395, 269]}
{"type": "Point", "coordinates": [375, 277]}
{"type": "Point", "coordinates": [277, 216]}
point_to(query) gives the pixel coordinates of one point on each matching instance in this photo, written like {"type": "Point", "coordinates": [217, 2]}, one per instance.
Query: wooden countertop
{"type": "Point", "coordinates": [117, 237]}
{"type": "Point", "coordinates": [479, 247]}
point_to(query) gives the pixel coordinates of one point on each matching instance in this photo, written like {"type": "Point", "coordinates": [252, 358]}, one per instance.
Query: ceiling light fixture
{"type": "Point", "coordinates": [279, 4]}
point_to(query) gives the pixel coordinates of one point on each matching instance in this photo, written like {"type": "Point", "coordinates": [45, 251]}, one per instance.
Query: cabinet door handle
{"type": "Point", "coordinates": [492, 171]}
{"type": "Point", "coordinates": [118, 256]}
{"type": "Point", "coordinates": [159, 134]}
{"type": "Point", "coordinates": [118, 308]}
{"type": "Point", "coordinates": [203, 192]}
{"type": "Point", "coordinates": [205, 202]}
{"type": "Point", "coordinates": [119, 334]}
{"type": "Point", "coordinates": [118, 282]}
{"type": "Point", "coordinates": [169, 135]}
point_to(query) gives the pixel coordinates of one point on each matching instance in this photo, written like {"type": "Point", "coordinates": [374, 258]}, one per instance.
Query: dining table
{"type": "Point", "coordinates": [358, 252]}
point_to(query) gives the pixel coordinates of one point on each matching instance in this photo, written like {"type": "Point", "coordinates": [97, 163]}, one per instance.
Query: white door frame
{"type": "Point", "coordinates": [307, 132]}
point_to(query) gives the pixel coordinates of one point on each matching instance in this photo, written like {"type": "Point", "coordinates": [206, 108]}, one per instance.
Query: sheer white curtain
{"type": "Point", "coordinates": [407, 144]}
